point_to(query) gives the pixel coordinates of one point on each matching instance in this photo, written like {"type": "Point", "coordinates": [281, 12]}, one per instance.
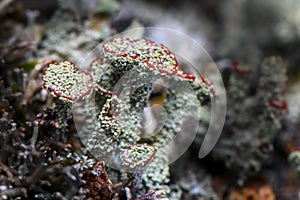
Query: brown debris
{"type": "Point", "coordinates": [34, 84]}
{"type": "Point", "coordinates": [7, 170]}
{"type": "Point", "coordinates": [98, 183]}
{"type": "Point", "coordinates": [254, 189]}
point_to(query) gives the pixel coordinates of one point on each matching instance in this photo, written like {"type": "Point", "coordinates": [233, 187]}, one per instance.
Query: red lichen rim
{"type": "Point", "coordinates": [144, 161]}
{"type": "Point", "coordinates": [180, 73]}
{"type": "Point", "coordinates": [169, 73]}
{"type": "Point", "coordinates": [99, 59]}
{"type": "Point", "coordinates": [59, 95]}
{"type": "Point", "coordinates": [295, 149]}
{"type": "Point", "coordinates": [103, 91]}
{"type": "Point", "coordinates": [278, 104]}
{"type": "Point", "coordinates": [210, 86]}
{"type": "Point", "coordinates": [52, 63]}
{"type": "Point", "coordinates": [187, 76]}
{"type": "Point", "coordinates": [90, 81]}
{"type": "Point", "coordinates": [236, 69]}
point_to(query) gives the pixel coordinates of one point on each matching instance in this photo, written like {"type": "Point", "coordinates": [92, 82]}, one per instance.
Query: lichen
{"type": "Point", "coordinates": [251, 128]}
{"type": "Point", "coordinates": [124, 77]}
{"type": "Point", "coordinates": [66, 82]}
{"type": "Point", "coordinates": [294, 159]}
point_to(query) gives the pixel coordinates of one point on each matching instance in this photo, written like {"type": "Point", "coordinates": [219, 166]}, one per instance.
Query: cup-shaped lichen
{"type": "Point", "coordinates": [66, 82]}
{"type": "Point", "coordinates": [137, 156]}
{"type": "Point", "coordinates": [142, 52]}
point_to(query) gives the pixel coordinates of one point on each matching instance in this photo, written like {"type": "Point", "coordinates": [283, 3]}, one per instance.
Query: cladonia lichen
{"type": "Point", "coordinates": [124, 76]}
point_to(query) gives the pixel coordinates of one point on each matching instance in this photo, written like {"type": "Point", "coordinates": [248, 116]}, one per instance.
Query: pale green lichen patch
{"type": "Point", "coordinates": [137, 156]}
{"type": "Point", "coordinates": [67, 82]}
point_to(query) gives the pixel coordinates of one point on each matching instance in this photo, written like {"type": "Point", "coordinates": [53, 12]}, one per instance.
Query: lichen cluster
{"type": "Point", "coordinates": [252, 128]}
{"type": "Point", "coordinates": [107, 129]}
{"type": "Point", "coordinates": [124, 78]}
